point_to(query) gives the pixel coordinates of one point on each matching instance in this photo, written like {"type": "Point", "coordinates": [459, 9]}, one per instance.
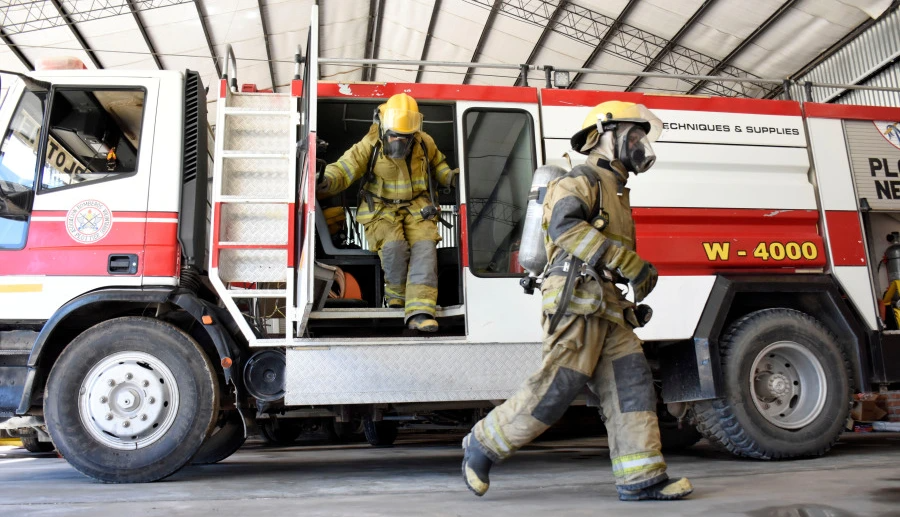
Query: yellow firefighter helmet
{"type": "Point", "coordinates": [612, 112]}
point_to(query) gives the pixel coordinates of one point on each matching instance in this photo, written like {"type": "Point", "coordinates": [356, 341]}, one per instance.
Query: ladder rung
{"type": "Point", "coordinates": [242, 154]}
{"type": "Point", "coordinates": [251, 245]}
{"type": "Point", "coordinates": [241, 111]}
{"type": "Point", "coordinates": [260, 200]}
{"type": "Point", "coordinates": [257, 293]}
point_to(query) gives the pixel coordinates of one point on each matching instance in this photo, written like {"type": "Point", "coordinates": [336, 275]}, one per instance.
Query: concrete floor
{"type": "Point", "coordinates": [420, 476]}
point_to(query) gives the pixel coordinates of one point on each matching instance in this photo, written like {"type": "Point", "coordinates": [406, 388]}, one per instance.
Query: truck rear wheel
{"type": "Point", "coordinates": [226, 438]}
{"type": "Point", "coordinates": [32, 444]}
{"type": "Point", "coordinates": [280, 433]}
{"type": "Point", "coordinates": [380, 434]}
{"type": "Point", "coordinates": [786, 388]}
{"type": "Point", "coordinates": [131, 400]}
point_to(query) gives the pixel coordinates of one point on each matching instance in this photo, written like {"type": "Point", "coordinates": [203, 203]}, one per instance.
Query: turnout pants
{"type": "Point", "coordinates": [608, 359]}
{"type": "Point", "coordinates": [407, 246]}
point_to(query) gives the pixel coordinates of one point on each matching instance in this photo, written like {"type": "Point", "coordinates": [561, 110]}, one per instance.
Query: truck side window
{"type": "Point", "coordinates": [18, 158]}
{"type": "Point", "coordinates": [94, 135]}
{"type": "Point", "coordinates": [500, 162]}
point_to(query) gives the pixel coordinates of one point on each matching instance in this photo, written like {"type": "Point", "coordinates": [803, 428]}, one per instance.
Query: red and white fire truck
{"type": "Point", "coordinates": [148, 315]}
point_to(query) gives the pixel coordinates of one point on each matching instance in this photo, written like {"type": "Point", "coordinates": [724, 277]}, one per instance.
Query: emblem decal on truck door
{"type": "Point", "coordinates": [89, 221]}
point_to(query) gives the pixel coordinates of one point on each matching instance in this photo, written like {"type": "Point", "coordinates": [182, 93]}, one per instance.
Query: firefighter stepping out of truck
{"type": "Point", "coordinates": [397, 162]}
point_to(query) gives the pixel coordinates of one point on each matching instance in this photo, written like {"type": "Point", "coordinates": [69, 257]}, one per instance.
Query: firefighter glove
{"type": "Point", "coordinates": [645, 282]}
{"type": "Point", "coordinates": [323, 185]}
{"type": "Point", "coordinates": [640, 274]}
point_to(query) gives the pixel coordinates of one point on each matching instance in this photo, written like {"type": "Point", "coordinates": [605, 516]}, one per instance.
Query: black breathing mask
{"type": "Point", "coordinates": [397, 145]}
{"type": "Point", "coordinates": [633, 147]}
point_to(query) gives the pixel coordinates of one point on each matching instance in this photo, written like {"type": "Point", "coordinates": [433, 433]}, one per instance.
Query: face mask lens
{"type": "Point", "coordinates": [635, 151]}
{"type": "Point", "coordinates": [397, 146]}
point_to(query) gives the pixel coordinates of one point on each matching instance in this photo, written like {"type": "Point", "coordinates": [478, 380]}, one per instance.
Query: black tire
{"type": "Point", "coordinates": [167, 448]}
{"type": "Point", "coordinates": [32, 444]}
{"type": "Point", "coordinates": [380, 434]}
{"type": "Point", "coordinates": [280, 433]}
{"type": "Point", "coordinates": [226, 438]}
{"type": "Point", "coordinates": [736, 424]}
{"type": "Point", "coordinates": [350, 432]}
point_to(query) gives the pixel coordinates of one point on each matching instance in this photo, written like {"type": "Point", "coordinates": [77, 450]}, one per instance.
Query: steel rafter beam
{"type": "Point", "coordinates": [434, 15]}
{"type": "Point", "coordinates": [265, 30]}
{"type": "Point", "coordinates": [373, 37]}
{"type": "Point", "coordinates": [637, 46]}
{"type": "Point", "coordinates": [17, 17]}
{"type": "Point", "coordinates": [201, 13]}
{"type": "Point", "coordinates": [716, 70]}
{"type": "Point", "coordinates": [482, 39]}
{"type": "Point", "coordinates": [672, 42]}
{"type": "Point", "coordinates": [75, 32]}
{"type": "Point", "coordinates": [143, 29]}
{"type": "Point", "coordinates": [604, 41]}
{"type": "Point", "coordinates": [560, 7]}
{"type": "Point", "coordinates": [841, 43]}
{"type": "Point", "coordinates": [15, 50]}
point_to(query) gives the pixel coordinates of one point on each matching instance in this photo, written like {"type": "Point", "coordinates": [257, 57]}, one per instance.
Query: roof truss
{"type": "Point", "coordinates": [630, 43]}
{"type": "Point", "coordinates": [666, 51]}
{"type": "Point", "coordinates": [484, 35]}
{"type": "Point", "coordinates": [140, 25]}
{"type": "Point", "coordinates": [604, 41]}
{"type": "Point", "coordinates": [719, 68]}
{"type": "Point", "coordinates": [75, 32]}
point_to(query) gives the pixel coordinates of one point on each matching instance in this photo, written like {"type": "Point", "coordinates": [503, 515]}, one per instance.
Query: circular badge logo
{"type": "Point", "coordinates": [89, 221]}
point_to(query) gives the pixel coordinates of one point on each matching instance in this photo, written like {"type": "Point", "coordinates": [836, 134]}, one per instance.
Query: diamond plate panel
{"type": "Point", "coordinates": [408, 373]}
{"type": "Point", "coordinates": [261, 102]}
{"type": "Point", "coordinates": [253, 265]}
{"type": "Point", "coordinates": [254, 223]}
{"type": "Point", "coordinates": [257, 178]}
{"type": "Point", "coordinates": [258, 134]}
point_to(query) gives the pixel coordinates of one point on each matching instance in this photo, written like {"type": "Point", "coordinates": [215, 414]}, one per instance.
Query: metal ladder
{"type": "Point", "coordinates": [253, 202]}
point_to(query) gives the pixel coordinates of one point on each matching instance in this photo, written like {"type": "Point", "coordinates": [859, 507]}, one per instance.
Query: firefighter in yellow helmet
{"type": "Point", "coordinates": [588, 324]}
{"type": "Point", "coordinates": [397, 206]}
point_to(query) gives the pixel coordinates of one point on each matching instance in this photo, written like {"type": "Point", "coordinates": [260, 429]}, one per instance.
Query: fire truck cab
{"type": "Point", "coordinates": [158, 295]}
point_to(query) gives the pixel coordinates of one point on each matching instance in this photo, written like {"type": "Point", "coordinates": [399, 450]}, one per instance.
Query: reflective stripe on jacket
{"type": "Point", "coordinates": [393, 180]}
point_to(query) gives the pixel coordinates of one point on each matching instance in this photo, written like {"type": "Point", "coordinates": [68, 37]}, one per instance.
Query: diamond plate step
{"type": "Point", "coordinates": [253, 265]}
{"type": "Point", "coordinates": [260, 101]}
{"type": "Point", "coordinates": [254, 134]}
{"type": "Point", "coordinates": [388, 373]}
{"type": "Point", "coordinates": [254, 223]}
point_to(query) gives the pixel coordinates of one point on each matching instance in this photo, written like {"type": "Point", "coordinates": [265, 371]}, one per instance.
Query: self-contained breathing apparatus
{"type": "Point", "coordinates": [632, 149]}
{"type": "Point", "coordinates": [533, 254]}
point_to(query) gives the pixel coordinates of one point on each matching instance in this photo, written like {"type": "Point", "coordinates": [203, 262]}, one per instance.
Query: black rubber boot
{"type": "Point", "coordinates": [663, 491]}
{"type": "Point", "coordinates": [475, 466]}
{"type": "Point", "coordinates": [423, 323]}
{"type": "Point", "coordinates": [396, 303]}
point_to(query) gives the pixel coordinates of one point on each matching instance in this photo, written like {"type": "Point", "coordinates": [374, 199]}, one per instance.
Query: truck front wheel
{"type": "Point", "coordinates": [786, 388]}
{"type": "Point", "coordinates": [131, 400]}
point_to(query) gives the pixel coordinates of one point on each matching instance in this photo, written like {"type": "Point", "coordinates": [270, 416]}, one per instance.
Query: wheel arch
{"type": "Point", "coordinates": [691, 369]}
{"type": "Point", "coordinates": [89, 309]}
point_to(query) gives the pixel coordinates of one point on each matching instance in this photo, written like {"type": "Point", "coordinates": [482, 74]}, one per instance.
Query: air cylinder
{"type": "Point", "coordinates": [893, 262]}
{"type": "Point", "coordinates": [532, 254]}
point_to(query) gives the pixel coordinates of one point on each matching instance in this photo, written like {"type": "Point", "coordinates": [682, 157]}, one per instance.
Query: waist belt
{"type": "Point", "coordinates": [370, 196]}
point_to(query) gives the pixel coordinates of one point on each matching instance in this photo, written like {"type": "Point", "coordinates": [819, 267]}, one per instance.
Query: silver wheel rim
{"type": "Point", "coordinates": [788, 385]}
{"type": "Point", "coordinates": [128, 401]}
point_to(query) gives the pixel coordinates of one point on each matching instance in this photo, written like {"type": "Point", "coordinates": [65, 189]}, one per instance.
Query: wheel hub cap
{"type": "Point", "coordinates": [128, 400]}
{"type": "Point", "coordinates": [788, 384]}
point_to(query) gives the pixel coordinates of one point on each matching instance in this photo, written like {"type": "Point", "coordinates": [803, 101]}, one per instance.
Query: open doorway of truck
{"type": "Point", "coordinates": [356, 307]}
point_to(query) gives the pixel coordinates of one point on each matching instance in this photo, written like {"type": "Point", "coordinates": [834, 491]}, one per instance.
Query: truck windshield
{"type": "Point", "coordinates": [18, 159]}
